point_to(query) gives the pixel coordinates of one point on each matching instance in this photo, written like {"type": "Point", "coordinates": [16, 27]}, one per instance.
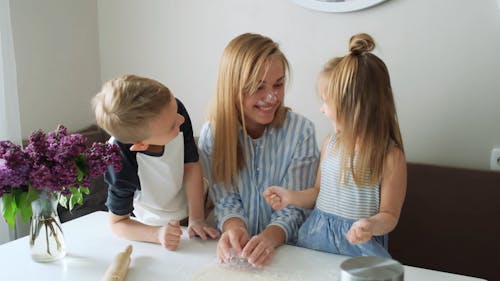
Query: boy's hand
{"type": "Point", "coordinates": [170, 235]}
{"type": "Point", "coordinates": [361, 231]}
{"type": "Point", "coordinates": [202, 229]}
{"type": "Point", "coordinates": [277, 197]}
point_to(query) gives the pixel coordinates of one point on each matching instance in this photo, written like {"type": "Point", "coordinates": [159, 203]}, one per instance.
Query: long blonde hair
{"type": "Point", "coordinates": [359, 88]}
{"type": "Point", "coordinates": [244, 62]}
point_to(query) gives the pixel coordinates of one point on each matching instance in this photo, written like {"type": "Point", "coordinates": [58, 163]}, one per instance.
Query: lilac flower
{"type": "Point", "coordinates": [15, 166]}
{"type": "Point", "coordinates": [100, 156]}
{"type": "Point", "coordinates": [55, 161]}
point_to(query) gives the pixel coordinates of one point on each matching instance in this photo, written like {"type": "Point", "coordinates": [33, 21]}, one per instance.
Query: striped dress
{"type": "Point", "coordinates": [338, 206]}
{"type": "Point", "coordinates": [344, 199]}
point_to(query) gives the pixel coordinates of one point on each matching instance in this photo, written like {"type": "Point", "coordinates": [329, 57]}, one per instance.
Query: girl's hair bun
{"type": "Point", "coordinates": [361, 43]}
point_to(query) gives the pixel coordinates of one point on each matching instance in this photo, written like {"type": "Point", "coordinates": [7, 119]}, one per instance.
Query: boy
{"type": "Point", "coordinates": [161, 175]}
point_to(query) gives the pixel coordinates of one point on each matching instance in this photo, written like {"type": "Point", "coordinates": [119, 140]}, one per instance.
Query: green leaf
{"type": "Point", "coordinates": [9, 209]}
{"type": "Point", "coordinates": [75, 198]}
{"type": "Point", "coordinates": [84, 190]}
{"type": "Point", "coordinates": [24, 203]}
{"type": "Point", "coordinates": [81, 164]}
{"type": "Point", "coordinates": [32, 194]}
{"type": "Point", "coordinates": [63, 201]}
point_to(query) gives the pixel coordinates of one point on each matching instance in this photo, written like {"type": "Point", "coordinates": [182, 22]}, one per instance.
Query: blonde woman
{"type": "Point", "coordinates": [252, 141]}
{"type": "Point", "coordinates": [361, 185]}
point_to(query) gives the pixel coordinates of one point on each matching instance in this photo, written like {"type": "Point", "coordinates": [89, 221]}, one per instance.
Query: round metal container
{"type": "Point", "coordinates": [371, 269]}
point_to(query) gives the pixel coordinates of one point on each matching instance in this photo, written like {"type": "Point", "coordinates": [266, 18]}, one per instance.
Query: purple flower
{"type": "Point", "coordinates": [54, 161]}
{"type": "Point", "coordinates": [102, 155]}
{"type": "Point", "coordinates": [15, 166]}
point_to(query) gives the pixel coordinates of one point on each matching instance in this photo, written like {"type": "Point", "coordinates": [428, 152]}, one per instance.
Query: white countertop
{"type": "Point", "coordinates": [91, 248]}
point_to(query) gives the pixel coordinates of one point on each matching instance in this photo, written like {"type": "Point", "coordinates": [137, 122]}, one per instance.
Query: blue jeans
{"type": "Point", "coordinates": [327, 233]}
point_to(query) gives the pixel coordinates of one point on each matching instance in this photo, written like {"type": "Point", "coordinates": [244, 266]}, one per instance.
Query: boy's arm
{"type": "Point", "coordinates": [168, 236]}
{"type": "Point", "coordinates": [193, 184]}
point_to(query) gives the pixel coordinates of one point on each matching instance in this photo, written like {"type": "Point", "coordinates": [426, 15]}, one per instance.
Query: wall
{"type": "Point", "coordinates": [57, 58]}
{"type": "Point", "coordinates": [57, 65]}
{"type": "Point", "coordinates": [442, 55]}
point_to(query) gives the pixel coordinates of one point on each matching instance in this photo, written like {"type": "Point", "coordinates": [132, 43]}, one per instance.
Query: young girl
{"type": "Point", "coordinates": [361, 185]}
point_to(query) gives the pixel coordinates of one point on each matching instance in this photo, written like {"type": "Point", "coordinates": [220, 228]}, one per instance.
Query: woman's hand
{"type": "Point", "coordinates": [202, 229]}
{"type": "Point", "coordinates": [361, 231]}
{"type": "Point", "coordinates": [259, 250]}
{"type": "Point", "coordinates": [277, 197]}
{"type": "Point", "coordinates": [233, 238]}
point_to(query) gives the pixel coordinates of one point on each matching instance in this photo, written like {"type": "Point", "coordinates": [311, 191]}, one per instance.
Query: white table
{"type": "Point", "coordinates": [91, 248]}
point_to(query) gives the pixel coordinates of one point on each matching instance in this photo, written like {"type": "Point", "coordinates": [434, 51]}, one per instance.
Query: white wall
{"type": "Point", "coordinates": [443, 58]}
{"type": "Point", "coordinates": [57, 57]}
{"type": "Point", "coordinates": [442, 55]}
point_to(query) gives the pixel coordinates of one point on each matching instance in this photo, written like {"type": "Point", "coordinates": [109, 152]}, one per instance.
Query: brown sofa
{"type": "Point", "coordinates": [450, 221]}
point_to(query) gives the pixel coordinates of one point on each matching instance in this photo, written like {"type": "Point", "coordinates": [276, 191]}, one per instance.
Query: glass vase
{"type": "Point", "coordinates": [46, 235]}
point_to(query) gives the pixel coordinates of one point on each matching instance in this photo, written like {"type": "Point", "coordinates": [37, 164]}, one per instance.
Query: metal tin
{"type": "Point", "coordinates": [371, 269]}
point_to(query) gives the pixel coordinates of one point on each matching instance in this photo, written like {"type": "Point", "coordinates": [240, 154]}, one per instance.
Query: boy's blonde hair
{"type": "Point", "coordinates": [125, 106]}
{"type": "Point", "coordinates": [359, 88]}
{"type": "Point", "coordinates": [245, 60]}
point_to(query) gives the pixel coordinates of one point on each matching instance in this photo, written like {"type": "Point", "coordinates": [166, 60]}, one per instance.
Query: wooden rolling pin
{"type": "Point", "coordinates": [118, 269]}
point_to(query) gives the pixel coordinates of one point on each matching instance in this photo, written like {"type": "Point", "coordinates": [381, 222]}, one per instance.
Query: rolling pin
{"type": "Point", "coordinates": [118, 269]}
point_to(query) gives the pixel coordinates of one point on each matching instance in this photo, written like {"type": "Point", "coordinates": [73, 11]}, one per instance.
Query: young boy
{"type": "Point", "coordinates": [161, 179]}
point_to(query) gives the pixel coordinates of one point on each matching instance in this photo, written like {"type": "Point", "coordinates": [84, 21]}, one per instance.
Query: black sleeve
{"type": "Point", "coordinates": [190, 148]}
{"type": "Point", "coordinates": [122, 184]}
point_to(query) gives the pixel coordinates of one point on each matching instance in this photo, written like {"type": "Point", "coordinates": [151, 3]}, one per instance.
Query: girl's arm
{"type": "Point", "coordinates": [393, 191]}
{"type": "Point", "coordinates": [279, 197]}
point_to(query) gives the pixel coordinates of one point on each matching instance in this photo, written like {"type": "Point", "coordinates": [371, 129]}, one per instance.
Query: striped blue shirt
{"type": "Point", "coordinates": [286, 156]}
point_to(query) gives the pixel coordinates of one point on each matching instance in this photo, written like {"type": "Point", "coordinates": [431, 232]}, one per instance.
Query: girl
{"type": "Point", "coordinates": [361, 185]}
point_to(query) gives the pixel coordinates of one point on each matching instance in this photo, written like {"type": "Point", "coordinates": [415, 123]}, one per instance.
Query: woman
{"type": "Point", "coordinates": [252, 141]}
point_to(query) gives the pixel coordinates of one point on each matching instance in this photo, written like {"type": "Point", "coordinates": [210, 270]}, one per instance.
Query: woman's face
{"type": "Point", "coordinates": [259, 109]}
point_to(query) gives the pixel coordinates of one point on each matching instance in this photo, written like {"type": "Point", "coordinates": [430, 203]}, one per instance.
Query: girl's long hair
{"type": "Point", "coordinates": [359, 88]}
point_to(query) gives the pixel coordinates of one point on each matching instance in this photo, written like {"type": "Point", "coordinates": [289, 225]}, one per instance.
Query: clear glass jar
{"type": "Point", "coordinates": [46, 236]}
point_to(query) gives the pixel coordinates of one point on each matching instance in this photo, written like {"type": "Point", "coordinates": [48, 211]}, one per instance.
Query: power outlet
{"type": "Point", "coordinates": [495, 159]}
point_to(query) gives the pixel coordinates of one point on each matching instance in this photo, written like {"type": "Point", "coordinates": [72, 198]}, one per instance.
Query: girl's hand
{"type": "Point", "coordinates": [277, 197]}
{"type": "Point", "coordinates": [259, 250]}
{"type": "Point", "coordinates": [169, 235]}
{"type": "Point", "coordinates": [361, 231]}
{"type": "Point", "coordinates": [234, 238]}
{"type": "Point", "coordinates": [202, 229]}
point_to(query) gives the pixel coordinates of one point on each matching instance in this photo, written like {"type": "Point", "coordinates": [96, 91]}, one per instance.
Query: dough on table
{"type": "Point", "coordinates": [219, 272]}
